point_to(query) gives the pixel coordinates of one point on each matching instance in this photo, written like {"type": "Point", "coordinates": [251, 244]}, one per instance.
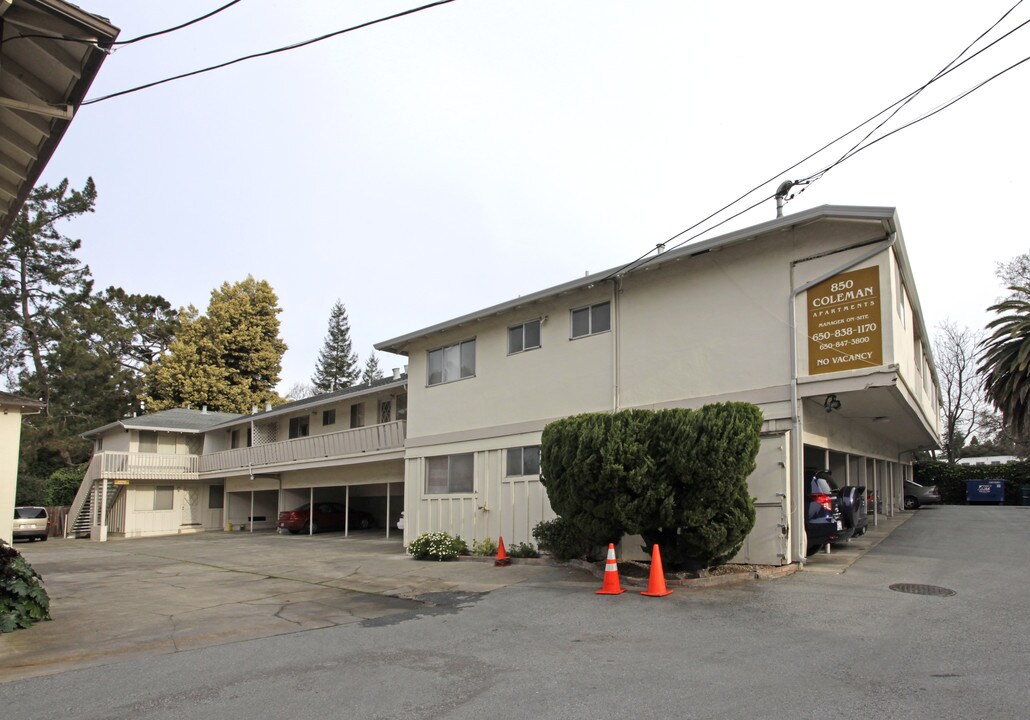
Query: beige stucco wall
{"type": "Point", "coordinates": [131, 513]}
{"type": "Point", "coordinates": [10, 439]}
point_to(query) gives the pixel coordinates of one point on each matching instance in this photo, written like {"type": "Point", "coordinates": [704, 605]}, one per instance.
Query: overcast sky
{"type": "Point", "coordinates": [436, 164]}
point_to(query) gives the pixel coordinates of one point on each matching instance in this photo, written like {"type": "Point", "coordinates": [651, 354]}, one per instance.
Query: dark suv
{"type": "Point", "coordinates": [824, 517]}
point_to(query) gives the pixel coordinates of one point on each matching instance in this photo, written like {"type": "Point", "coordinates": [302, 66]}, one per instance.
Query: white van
{"type": "Point", "coordinates": [31, 523]}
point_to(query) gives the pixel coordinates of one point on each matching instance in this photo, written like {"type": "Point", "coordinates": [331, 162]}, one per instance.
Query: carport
{"type": "Point", "coordinates": [880, 477]}
{"type": "Point", "coordinates": [373, 488]}
{"type": "Point", "coordinates": [252, 503]}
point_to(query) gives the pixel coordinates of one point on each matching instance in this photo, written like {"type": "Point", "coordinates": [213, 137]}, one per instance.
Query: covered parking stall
{"type": "Point", "coordinates": [251, 503]}
{"type": "Point", "coordinates": [375, 489]}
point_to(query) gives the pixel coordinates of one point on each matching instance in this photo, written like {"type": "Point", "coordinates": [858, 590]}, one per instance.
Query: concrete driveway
{"type": "Point", "coordinates": [127, 599]}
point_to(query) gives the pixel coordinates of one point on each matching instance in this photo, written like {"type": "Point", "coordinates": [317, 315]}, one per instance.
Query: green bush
{"type": "Point", "coordinates": [523, 550]}
{"type": "Point", "coordinates": [561, 539]}
{"type": "Point", "coordinates": [677, 477]}
{"type": "Point", "coordinates": [951, 479]}
{"type": "Point", "coordinates": [23, 600]}
{"type": "Point", "coordinates": [437, 546]}
{"type": "Point", "coordinates": [63, 484]}
{"type": "Point", "coordinates": [486, 546]}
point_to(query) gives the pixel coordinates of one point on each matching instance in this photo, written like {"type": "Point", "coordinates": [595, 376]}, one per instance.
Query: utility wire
{"type": "Point", "coordinates": [643, 259]}
{"type": "Point", "coordinates": [945, 70]}
{"type": "Point", "coordinates": [147, 36]}
{"type": "Point", "coordinates": [266, 53]}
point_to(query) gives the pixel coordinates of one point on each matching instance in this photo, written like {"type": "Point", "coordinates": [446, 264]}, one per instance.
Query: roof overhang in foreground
{"type": "Point", "coordinates": [42, 84]}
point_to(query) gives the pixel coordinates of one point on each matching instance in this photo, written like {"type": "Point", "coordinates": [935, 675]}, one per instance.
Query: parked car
{"type": "Point", "coordinates": [916, 495]}
{"type": "Point", "coordinates": [853, 505]}
{"type": "Point", "coordinates": [31, 523]}
{"type": "Point", "coordinates": [328, 516]}
{"type": "Point", "coordinates": [824, 517]}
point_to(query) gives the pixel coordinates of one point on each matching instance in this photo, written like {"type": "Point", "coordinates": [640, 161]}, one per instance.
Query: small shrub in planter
{"type": "Point", "coordinates": [562, 540]}
{"type": "Point", "coordinates": [23, 600]}
{"type": "Point", "coordinates": [437, 546]}
{"type": "Point", "coordinates": [486, 546]}
{"type": "Point", "coordinates": [523, 550]}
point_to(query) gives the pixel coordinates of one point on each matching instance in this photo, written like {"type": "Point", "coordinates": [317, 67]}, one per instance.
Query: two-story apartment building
{"type": "Point", "coordinates": [183, 470]}
{"type": "Point", "coordinates": [813, 317]}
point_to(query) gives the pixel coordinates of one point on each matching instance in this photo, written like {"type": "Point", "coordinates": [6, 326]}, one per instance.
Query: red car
{"type": "Point", "coordinates": [328, 516]}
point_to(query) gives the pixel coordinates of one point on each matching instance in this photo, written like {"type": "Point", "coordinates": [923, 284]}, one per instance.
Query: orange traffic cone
{"type": "Point", "coordinates": [611, 575]}
{"type": "Point", "coordinates": [502, 557]}
{"type": "Point", "coordinates": [656, 583]}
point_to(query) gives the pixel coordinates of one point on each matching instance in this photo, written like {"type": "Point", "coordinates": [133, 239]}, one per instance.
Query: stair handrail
{"type": "Point", "coordinates": [92, 474]}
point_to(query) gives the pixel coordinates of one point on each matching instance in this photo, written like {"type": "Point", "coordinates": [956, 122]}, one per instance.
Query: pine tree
{"type": "Point", "coordinates": [229, 359]}
{"type": "Point", "coordinates": [40, 277]}
{"type": "Point", "coordinates": [372, 371]}
{"type": "Point", "coordinates": [337, 364]}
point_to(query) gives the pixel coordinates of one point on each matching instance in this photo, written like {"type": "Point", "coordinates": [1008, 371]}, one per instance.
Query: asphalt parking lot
{"type": "Point", "coordinates": [130, 599]}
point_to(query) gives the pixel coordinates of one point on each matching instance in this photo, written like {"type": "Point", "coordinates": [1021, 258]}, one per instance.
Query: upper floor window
{"type": "Point", "coordinates": [591, 320]}
{"type": "Point", "coordinates": [402, 407]}
{"type": "Point", "coordinates": [524, 337]}
{"type": "Point", "coordinates": [523, 461]}
{"type": "Point", "coordinates": [450, 474]}
{"type": "Point", "coordinates": [329, 417]}
{"type": "Point", "coordinates": [299, 427]}
{"type": "Point", "coordinates": [454, 362]}
{"type": "Point", "coordinates": [357, 415]}
{"type": "Point", "coordinates": [147, 441]}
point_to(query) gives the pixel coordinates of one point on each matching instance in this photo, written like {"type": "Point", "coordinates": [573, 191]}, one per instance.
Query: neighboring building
{"type": "Point", "coordinates": [184, 471]}
{"type": "Point", "coordinates": [853, 388]}
{"type": "Point", "coordinates": [13, 408]}
{"type": "Point", "coordinates": [987, 460]}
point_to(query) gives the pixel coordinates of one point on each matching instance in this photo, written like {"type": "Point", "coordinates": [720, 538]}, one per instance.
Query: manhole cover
{"type": "Point", "coordinates": [914, 589]}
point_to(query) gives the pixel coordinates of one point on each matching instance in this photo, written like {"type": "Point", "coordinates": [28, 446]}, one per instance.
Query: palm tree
{"type": "Point", "coordinates": [1005, 362]}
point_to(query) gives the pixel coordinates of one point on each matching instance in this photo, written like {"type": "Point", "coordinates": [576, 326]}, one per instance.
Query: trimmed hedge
{"type": "Point", "coordinates": [951, 479]}
{"type": "Point", "coordinates": [677, 477]}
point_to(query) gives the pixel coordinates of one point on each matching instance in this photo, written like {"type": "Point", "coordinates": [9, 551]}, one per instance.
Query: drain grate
{"type": "Point", "coordinates": [915, 589]}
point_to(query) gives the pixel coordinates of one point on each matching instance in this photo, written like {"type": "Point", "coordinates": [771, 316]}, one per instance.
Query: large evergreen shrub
{"type": "Point", "coordinates": [950, 479]}
{"type": "Point", "coordinates": [677, 477]}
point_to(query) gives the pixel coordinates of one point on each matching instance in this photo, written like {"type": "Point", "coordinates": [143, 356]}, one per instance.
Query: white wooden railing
{"type": "Point", "coordinates": [374, 438]}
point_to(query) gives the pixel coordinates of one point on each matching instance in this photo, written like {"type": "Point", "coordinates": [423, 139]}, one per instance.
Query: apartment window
{"type": "Point", "coordinates": [163, 497]}
{"type": "Point", "coordinates": [234, 439]}
{"type": "Point", "coordinates": [328, 417]}
{"type": "Point", "coordinates": [402, 407]}
{"type": "Point", "coordinates": [592, 320]}
{"type": "Point", "coordinates": [523, 461]}
{"type": "Point", "coordinates": [147, 441]}
{"type": "Point", "coordinates": [384, 411]}
{"type": "Point", "coordinates": [449, 474]}
{"type": "Point", "coordinates": [357, 415]}
{"type": "Point", "coordinates": [299, 427]}
{"type": "Point", "coordinates": [454, 362]}
{"type": "Point", "coordinates": [195, 444]}
{"type": "Point", "coordinates": [524, 337]}
{"type": "Point", "coordinates": [216, 497]}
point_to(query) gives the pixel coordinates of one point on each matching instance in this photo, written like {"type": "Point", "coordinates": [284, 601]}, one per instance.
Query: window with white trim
{"type": "Point", "coordinates": [299, 427]}
{"type": "Point", "coordinates": [448, 474]}
{"type": "Point", "coordinates": [454, 362]}
{"type": "Point", "coordinates": [329, 417]}
{"type": "Point", "coordinates": [524, 337]}
{"type": "Point", "coordinates": [357, 415]}
{"type": "Point", "coordinates": [216, 497]}
{"type": "Point", "coordinates": [591, 320]}
{"type": "Point", "coordinates": [522, 461]}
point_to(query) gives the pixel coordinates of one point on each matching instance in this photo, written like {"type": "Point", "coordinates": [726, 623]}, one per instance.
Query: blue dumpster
{"type": "Point", "coordinates": [985, 491]}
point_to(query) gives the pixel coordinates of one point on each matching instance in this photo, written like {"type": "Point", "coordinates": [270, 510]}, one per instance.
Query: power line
{"type": "Point", "coordinates": [949, 68]}
{"type": "Point", "coordinates": [265, 53]}
{"type": "Point", "coordinates": [67, 38]}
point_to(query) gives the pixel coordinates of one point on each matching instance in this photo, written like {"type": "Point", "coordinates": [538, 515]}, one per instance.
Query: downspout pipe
{"type": "Point", "coordinates": [797, 519]}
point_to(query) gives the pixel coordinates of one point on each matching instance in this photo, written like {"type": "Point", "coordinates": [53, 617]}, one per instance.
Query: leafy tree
{"type": "Point", "coordinates": [337, 364]}
{"type": "Point", "coordinates": [229, 359]}
{"type": "Point", "coordinates": [1005, 363]}
{"type": "Point", "coordinates": [299, 391]}
{"type": "Point", "coordinates": [40, 277]}
{"type": "Point", "coordinates": [372, 371]}
{"type": "Point", "coordinates": [963, 403]}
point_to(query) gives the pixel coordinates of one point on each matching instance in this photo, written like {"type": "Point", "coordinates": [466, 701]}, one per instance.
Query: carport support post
{"type": "Point", "coordinates": [346, 511]}
{"type": "Point", "coordinates": [250, 521]}
{"type": "Point", "coordinates": [103, 511]}
{"type": "Point", "coordinates": [876, 497]}
{"type": "Point", "coordinates": [387, 511]}
{"type": "Point", "coordinates": [311, 510]}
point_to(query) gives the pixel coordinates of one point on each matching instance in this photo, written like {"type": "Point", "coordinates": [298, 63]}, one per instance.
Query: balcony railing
{"type": "Point", "coordinates": [142, 466]}
{"type": "Point", "coordinates": [388, 436]}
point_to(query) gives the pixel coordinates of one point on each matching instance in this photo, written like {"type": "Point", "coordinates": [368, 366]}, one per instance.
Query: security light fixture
{"type": "Point", "coordinates": [831, 403]}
